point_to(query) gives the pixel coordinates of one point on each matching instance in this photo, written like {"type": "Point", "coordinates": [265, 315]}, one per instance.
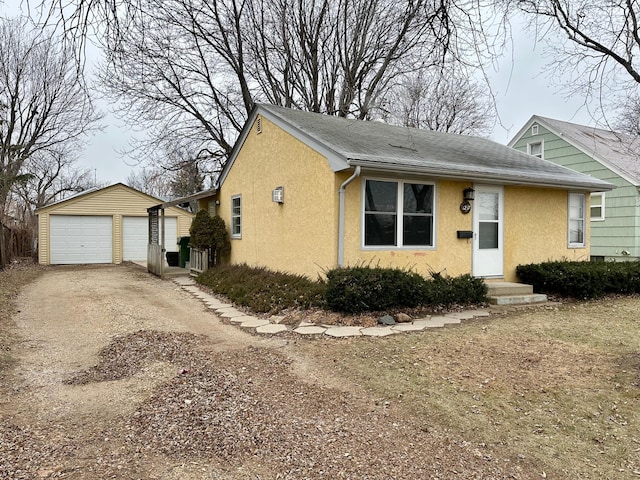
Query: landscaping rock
{"type": "Point", "coordinates": [402, 318]}
{"type": "Point", "coordinates": [386, 320]}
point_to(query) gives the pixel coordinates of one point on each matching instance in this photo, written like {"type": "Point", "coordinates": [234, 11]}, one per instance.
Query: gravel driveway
{"type": "Point", "coordinates": [122, 375]}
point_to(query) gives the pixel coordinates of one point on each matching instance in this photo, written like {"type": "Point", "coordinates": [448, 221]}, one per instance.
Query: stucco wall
{"type": "Point", "coordinates": [535, 226]}
{"type": "Point", "coordinates": [296, 236]}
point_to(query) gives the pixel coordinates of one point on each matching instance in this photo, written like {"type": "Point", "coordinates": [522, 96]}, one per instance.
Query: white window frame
{"type": "Point", "coordinates": [583, 200]}
{"type": "Point", "coordinates": [238, 233]}
{"type": "Point", "coordinates": [601, 204]}
{"type": "Point", "coordinates": [534, 129]}
{"type": "Point", "coordinates": [541, 143]}
{"type": "Point", "coordinates": [399, 215]}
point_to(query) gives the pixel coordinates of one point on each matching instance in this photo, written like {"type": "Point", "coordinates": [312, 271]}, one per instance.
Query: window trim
{"type": "Point", "coordinates": [239, 216]}
{"type": "Point", "coordinates": [601, 218]}
{"type": "Point", "coordinates": [400, 182]}
{"type": "Point", "coordinates": [539, 142]}
{"type": "Point", "coordinates": [584, 221]}
{"type": "Point", "coordinates": [534, 129]}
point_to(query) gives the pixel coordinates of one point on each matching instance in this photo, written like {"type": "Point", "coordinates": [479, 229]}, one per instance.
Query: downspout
{"type": "Point", "coordinates": [343, 187]}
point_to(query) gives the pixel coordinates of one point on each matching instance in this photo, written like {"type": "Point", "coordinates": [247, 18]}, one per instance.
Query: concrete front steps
{"type": "Point", "coordinates": [508, 293]}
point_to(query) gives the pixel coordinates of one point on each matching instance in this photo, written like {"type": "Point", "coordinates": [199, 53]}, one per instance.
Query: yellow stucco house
{"type": "Point", "coordinates": [304, 192]}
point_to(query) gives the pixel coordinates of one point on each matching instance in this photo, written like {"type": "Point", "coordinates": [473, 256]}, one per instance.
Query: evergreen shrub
{"type": "Point", "coordinates": [582, 280]}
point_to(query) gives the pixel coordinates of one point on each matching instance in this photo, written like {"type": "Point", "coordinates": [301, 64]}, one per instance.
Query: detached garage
{"type": "Point", "coordinates": [103, 225]}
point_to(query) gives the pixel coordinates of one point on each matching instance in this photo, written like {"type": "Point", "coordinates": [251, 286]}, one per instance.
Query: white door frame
{"type": "Point", "coordinates": [488, 241]}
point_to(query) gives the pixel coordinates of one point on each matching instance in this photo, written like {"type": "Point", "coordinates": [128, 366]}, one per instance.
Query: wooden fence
{"type": "Point", "coordinates": [17, 243]}
{"type": "Point", "coordinates": [198, 261]}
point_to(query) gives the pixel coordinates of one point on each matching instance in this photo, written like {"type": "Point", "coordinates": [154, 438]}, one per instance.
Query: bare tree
{"type": "Point", "coordinates": [595, 44]}
{"type": "Point", "coordinates": [51, 177]}
{"type": "Point", "coordinates": [151, 180]}
{"type": "Point", "coordinates": [628, 118]}
{"type": "Point", "coordinates": [182, 177]}
{"type": "Point", "coordinates": [191, 70]}
{"type": "Point", "coordinates": [43, 108]}
{"type": "Point", "coordinates": [441, 99]}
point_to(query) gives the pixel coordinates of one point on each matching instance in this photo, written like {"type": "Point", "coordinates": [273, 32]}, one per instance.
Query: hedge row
{"type": "Point", "coordinates": [361, 289]}
{"type": "Point", "coordinates": [349, 290]}
{"type": "Point", "coordinates": [582, 280]}
{"type": "Point", "coordinates": [263, 290]}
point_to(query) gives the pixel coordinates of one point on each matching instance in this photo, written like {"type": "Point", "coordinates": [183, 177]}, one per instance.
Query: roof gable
{"type": "Point", "coordinates": [93, 194]}
{"type": "Point", "coordinates": [618, 152]}
{"type": "Point", "coordinates": [379, 146]}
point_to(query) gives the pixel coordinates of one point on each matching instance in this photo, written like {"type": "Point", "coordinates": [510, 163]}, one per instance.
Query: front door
{"type": "Point", "coordinates": [488, 242]}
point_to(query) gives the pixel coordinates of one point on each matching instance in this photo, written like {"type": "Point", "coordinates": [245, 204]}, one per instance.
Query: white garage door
{"type": "Point", "coordinates": [135, 236]}
{"type": "Point", "coordinates": [80, 239]}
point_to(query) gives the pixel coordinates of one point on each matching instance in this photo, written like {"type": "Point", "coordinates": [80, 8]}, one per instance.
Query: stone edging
{"type": "Point", "coordinates": [265, 326]}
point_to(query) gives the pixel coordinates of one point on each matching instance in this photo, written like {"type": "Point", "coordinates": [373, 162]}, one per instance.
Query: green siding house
{"type": "Point", "coordinates": [610, 156]}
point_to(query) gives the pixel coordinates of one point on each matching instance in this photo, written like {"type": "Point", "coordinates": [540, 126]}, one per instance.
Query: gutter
{"type": "Point", "coordinates": [341, 191]}
{"type": "Point", "coordinates": [502, 178]}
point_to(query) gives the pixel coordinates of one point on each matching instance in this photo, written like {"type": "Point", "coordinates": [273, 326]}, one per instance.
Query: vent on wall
{"type": "Point", "coordinates": [259, 124]}
{"type": "Point", "coordinates": [277, 195]}
{"type": "Point", "coordinates": [534, 129]}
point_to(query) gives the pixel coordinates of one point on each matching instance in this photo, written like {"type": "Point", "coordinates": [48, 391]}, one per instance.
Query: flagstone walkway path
{"type": "Point", "coordinates": [271, 326]}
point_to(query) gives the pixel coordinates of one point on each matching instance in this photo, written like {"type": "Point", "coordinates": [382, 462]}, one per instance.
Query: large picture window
{"type": "Point", "coordinates": [576, 219]}
{"type": "Point", "coordinates": [398, 214]}
{"type": "Point", "coordinates": [236, 216]}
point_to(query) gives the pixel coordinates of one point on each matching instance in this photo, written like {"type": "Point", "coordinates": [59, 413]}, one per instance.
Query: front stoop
{"type": "Point", "coordinates": [509, 293]}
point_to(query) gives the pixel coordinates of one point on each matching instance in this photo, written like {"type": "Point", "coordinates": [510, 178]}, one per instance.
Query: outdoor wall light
{"type": "Point", "coordinates": [277, 195]}
{"type": "Point", "coordinates": [468, 195]}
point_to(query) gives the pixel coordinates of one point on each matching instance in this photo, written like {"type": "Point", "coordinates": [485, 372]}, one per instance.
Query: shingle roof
{"type": "Point", "coordinates": [379, 146]}
{"type": "Point", "coordinates": [613, 149]}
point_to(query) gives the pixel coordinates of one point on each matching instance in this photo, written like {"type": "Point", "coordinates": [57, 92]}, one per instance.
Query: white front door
{"type": "Point", "coordinates": [488, 238]}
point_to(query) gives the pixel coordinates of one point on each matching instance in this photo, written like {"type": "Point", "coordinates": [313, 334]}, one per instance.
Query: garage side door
{"type": "Point", "coordinates": [80, 239]}
{"type": "Point", "coordinates": [135, 233]}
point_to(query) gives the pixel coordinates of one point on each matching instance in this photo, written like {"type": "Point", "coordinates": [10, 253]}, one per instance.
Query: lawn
{"type": "Point", "coordinates": [557, 386]}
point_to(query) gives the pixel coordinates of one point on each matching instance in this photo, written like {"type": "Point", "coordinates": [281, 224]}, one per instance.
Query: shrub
{"type": "Point", "coordinates": [446, 291]}
{"type": "Point", "coordinates": [360, 289]}
{"type": "Point", "coordinates": [263, 290]}
{"type": "Point", "coordinates": [209, 232]}
{"type": "Point", "coordinates": [582, 280]}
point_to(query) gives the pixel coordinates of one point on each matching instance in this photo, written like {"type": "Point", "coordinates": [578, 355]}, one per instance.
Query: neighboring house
{"type": "Point", "coordinates": [610, 156]}
{"type": "Point", "coordinates": [103, 225]}
{"type": "Point", "coordinates": [304, 193]}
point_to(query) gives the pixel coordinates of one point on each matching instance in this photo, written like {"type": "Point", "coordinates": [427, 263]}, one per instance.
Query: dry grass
{"type": "Point", "coordinates": [557, 387]}
{"type": "Point", "coordinates": [15, 276]}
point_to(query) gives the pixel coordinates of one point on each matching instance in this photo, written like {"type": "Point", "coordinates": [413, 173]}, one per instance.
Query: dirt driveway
{"type": "Point", "coordinates": [121, 375]}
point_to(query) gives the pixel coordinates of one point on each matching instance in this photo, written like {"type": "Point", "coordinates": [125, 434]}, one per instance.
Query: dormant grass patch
{"type": "Point", "coordinates": [557, 387]}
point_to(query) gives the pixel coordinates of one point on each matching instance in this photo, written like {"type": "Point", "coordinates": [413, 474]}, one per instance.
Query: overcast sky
{"type": "Point", "coordinates": [521, 90]}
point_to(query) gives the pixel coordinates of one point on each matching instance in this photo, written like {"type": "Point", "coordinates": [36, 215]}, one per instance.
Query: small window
{"type": "Point", "coordinates": [535, 149]}
{"type": "Point", "coordinates": [236, 216]}
{"type": "Point", "coordinates": [576, 219]}
{"type": "Point", "coordinates": [597, 206]}
{"type": "Point", "coordinates": [398, 214]}
{"type": "Point", "coordinates": [534, 129]}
